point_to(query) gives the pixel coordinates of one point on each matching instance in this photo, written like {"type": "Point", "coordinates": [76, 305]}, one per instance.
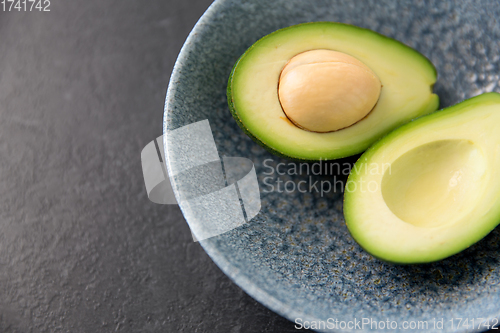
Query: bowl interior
{"type": "Point", "coordinates": [296, 256]}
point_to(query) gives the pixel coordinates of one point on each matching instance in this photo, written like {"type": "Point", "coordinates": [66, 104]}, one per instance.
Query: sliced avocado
{"type": "Point", "coordinates": [366, 57]}
{"type": "Point", "coordinates": [431, 188]}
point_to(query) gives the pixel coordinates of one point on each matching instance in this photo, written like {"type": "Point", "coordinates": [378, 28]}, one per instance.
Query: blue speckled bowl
{"type": "Point", "coordinates": [297, 257]}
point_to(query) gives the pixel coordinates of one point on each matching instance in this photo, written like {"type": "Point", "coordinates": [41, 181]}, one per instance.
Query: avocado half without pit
{"type": "Point", "coordinates": [431, 188]}
{"type": "Point", "coordinates": [324, 90]}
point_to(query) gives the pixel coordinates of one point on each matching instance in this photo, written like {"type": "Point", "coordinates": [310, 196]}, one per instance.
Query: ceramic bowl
{"type": "Point", "coordinates": [296, 256]}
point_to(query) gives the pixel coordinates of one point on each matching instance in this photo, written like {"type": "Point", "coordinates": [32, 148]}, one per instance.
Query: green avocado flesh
{"type": "Point", "coordinates": [407, 79]}
{"type": "Point", "coordinates": [431, 188]}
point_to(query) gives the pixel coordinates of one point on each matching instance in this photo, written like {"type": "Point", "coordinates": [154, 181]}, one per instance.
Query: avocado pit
{"type": "Point", "coordinates": [325, 90]}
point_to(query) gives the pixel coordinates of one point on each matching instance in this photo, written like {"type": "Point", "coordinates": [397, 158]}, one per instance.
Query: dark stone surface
{"type": "Point", "coordinates": [81, 247]}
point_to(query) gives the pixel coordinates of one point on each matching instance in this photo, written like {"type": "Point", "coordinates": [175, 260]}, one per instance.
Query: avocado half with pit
{"type": "Point", "coordinates": [431, 188]}
{"type": "Point", "coordinates": [324, 90]}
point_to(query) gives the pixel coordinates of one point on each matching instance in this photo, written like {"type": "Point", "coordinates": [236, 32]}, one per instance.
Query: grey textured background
{"type": "Point", "coordinates": [82, 249]}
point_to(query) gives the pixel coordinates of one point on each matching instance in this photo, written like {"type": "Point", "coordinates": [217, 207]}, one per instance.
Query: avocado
{"type": "Point", "coordinates": [431, 188]}
{"type": "Point", "coordinates": [324, 90]}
